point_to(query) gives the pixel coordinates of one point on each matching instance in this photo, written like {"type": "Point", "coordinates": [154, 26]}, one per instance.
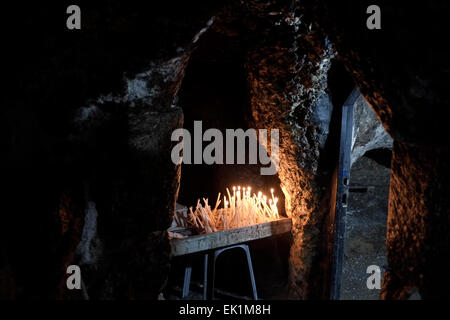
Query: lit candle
{"type": "Point", "coordinates": [275, 207]}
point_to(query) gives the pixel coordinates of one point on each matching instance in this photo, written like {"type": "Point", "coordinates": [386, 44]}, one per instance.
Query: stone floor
{"type": "Point", "coordinates": [365, 228]}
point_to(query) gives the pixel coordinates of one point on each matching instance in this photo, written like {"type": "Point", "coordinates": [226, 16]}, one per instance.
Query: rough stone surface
{"type": "Point", "coordinates": [418, 237]}
{"type": "Point", "coordinates": [402, 71]}
{"type": "Point", "coordinates": [368, 132]}
{"type": "Point", "coordinates": [286, 88]}
{"type": "Point", "coordinates": [88, 121]}
{"type": "Point", "coordinates": [288, 85]}
{"type": "Point", "coordinates": [101, 111]}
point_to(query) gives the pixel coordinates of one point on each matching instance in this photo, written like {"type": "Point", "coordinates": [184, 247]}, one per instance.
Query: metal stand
{"type": "Point", "coordinates": [209, 272]}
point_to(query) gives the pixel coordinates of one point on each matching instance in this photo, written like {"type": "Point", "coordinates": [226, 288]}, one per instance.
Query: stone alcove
{"type": "Point", "coordinates": [234, 79]}
{"type": "Point", "coordinates": [215, 90]}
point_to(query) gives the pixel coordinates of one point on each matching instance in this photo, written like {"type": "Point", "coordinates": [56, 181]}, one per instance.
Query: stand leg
{"type": "Point", "coordinates": [208, 282]}
{"type": "Point", "coordinates": [187, 281]}
{"type": "Point", "coordinates": [250, 269]}
{"type": "Point", "coordinates": [205, 276]}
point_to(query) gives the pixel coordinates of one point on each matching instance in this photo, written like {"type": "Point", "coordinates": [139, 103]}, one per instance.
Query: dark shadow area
{"type": "Point", "coordinates": [382, 156]}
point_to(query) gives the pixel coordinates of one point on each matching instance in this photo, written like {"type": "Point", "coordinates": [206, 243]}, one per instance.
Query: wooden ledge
{"type": "Point", "coordinates": [230, 237]}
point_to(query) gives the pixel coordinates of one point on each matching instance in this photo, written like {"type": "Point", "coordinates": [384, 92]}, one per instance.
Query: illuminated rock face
{"type": "Point", "coordinates": [289, 90]}
{"type": "Point", "coordinates": [368, 132]}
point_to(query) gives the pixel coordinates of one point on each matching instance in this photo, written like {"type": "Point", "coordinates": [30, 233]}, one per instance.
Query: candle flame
{"type": "Point", "coordinates": [237, 211]}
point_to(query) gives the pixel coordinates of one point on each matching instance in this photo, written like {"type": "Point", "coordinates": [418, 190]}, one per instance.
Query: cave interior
{"type": "Point", "coordinates": [87, 125]}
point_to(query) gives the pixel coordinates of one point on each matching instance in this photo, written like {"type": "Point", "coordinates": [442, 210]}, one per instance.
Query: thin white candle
{"type": "Point", "coordinates": [238, 210]}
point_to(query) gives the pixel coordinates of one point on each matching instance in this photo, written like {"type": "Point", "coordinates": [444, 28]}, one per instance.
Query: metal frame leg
{"type": "Point", "coordinates": [250, 270]}
{"type": "Point", "coordinates": [210, 266]}
{"type": "Point", "coordinates": [187, 281]}
{"type": "Point", "coordinates": [207, 277]}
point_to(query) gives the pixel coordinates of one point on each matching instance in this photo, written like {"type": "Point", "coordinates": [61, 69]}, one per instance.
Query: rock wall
{"type": "Point", "coordinates": [289, 91]}
{"type": "Point", "coordinates": [418, 238]}
{"type": "Point", "coordinates": [368, 132]}
{"type": "Point", "coordinates": [91, 132]}
{"type": "Point", "coordinates": [286, 88]}
{"type": "Point", "coordinates": [402, 71]}
{"type": "Point", "coordinates": [87, 129]}
{"type": "Point", "coordinates": [134, 196]}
